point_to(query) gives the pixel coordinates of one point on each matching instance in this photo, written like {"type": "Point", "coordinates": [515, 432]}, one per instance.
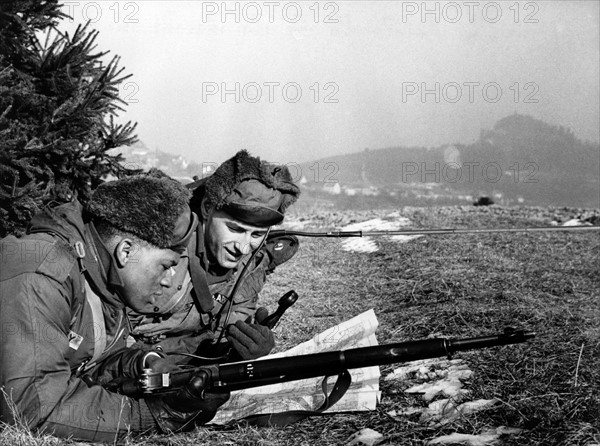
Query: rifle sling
{"type": "Point", "coordinates": [201, 293]}
{"type": "Point", "coordinates": [281, 419]}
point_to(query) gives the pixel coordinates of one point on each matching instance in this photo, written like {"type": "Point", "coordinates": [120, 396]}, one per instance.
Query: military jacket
{"type": "Point", "coordinates": [51, 329]}
{"type": "Point", "coordinates": [198, 310]}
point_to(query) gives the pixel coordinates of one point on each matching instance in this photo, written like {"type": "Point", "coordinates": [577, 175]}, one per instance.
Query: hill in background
{"type": "Point", "coordinates": [521, 160]}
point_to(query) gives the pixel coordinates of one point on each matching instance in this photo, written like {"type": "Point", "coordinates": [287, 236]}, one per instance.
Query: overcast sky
{"type": "Point", "coordinates": [296, 81]}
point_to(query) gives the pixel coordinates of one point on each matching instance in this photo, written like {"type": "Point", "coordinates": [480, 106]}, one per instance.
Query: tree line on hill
{"type": "Point", "coordinates": [520, 160]}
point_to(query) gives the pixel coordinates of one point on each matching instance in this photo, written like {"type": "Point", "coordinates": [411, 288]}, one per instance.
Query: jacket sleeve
{"type": "Point", "coordinates": [40, 390]}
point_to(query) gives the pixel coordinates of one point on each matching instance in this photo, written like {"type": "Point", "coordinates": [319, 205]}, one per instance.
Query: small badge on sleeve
{"type": "Point", "coordinates": [220, 298]}
{"type": "Point", "coordinates": [75, 340]}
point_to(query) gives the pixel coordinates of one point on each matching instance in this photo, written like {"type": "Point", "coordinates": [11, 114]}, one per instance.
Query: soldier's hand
{"type": "Point", "coordinates": [130, 363]}
{"type": "Point", "coordinates": [251, 341]}
{"type": "Point", "coordinates": [166, 364]}
{"type": "Point", "coordinates": [189, 407]}
{"type": "Point", "coordinates": [123, 364]}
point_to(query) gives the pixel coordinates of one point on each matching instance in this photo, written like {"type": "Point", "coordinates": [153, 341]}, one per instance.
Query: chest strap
{"type": "Point", "coordinates": [198, 275]}
{"type": "Point", "coordinates": [95, 304]}
{"type": "Point", "coordinates": [179, 295]}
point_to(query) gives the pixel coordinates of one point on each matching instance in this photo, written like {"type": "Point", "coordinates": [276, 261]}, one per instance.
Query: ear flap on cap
{"type": "Point", "coordinates": [221, 184]}
{"type": "Point", "coordinates": [280, 249]}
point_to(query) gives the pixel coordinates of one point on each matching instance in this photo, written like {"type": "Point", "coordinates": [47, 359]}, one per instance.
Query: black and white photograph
{"type": "Point", "coordinates": [355, 222]}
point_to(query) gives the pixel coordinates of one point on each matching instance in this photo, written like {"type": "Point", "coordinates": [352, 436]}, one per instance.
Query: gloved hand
{"type": "Point", "coordinates": [191, 406]}
{"type": "Point", "coordinates": [164, 364]}
{"type": "Point", "coordinates": [122, 364]}
{"type": "Point", "coordinates": [125, 364]}
{"type": "Point", "coordinates": [251, 341]}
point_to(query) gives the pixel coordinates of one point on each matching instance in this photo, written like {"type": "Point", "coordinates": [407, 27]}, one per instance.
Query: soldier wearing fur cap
{"type": "Point", "coordinates": [64, 291]}
{"type": "Point", "coordinates": [213, 303]}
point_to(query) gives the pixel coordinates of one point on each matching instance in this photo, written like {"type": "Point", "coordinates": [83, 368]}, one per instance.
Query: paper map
{"type": "Point", "coordinates": [307, 394]}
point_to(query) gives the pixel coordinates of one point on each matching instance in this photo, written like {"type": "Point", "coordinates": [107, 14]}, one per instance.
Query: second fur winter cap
{"type": "Point", "coordinates": [155, 209]}
{"type": "Point", "coordinates": [250, 190]}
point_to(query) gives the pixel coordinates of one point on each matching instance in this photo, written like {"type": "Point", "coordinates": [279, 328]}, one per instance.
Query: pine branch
{"type": "Point", "coordinates": [57, 106]}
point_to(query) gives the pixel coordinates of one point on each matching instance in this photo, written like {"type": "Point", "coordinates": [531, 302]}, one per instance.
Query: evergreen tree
{"type": "Point", "coordinates": [57, 103]}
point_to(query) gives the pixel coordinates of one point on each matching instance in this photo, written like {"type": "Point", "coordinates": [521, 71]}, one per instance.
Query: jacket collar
{"type": "Point", "coordinates": [106, 262]}
{"type": "Point", "coordinates": [69, 222]}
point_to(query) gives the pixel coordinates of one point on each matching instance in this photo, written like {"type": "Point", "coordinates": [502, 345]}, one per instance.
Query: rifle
{"type": "Point", "coordinates": [255, 373]}
{"type": "Point", "coordinates": [343, 234]}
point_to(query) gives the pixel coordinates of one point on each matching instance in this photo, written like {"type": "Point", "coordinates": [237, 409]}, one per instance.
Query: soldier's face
{"type": "Point", "coordinates": [228, 240]}
{"type": "Point", "coordinates": [147, 275]}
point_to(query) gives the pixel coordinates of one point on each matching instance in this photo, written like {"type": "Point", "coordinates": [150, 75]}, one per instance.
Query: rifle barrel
{"type": "Point", "coordinates": [342, 234]}
{"type": "Point", "coordinates": [247, 374]}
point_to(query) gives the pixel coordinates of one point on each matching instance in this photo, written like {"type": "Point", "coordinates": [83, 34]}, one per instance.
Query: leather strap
{"type": "Point", "coordinates": [201, 290]}
{"type": "Point", "coordinates": [281, 419]}
{"type": "Point", "coordinates": [179, 295]}
{"type": "Point", "coordinates": [98, 317]}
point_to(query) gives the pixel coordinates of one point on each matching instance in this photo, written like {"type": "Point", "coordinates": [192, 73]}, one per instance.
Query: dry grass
{"type": "Point", "coordinates": [459, 286]}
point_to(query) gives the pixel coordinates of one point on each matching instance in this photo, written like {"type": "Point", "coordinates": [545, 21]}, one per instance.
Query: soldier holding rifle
{"type": "Point", "coordinates": [137, 263]}
{"type": "Point", "coordinates": [64, 291]}
{"type": "Point", "coordinates": [69, 287]}
{"type": "Point", "coordinates": [211, 308]}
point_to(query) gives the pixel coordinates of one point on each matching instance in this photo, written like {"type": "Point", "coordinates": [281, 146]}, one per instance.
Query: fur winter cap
{"type": "Point", "coordinates": [152, 208]}
{"type": "Point", "coordinates": [253, 191]}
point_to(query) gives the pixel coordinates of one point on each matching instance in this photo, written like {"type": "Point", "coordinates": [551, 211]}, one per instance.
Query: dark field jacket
{"type": "Point", "coordinates": [49, 332]}
{"type": "Point", "coordinates": [199, 312]}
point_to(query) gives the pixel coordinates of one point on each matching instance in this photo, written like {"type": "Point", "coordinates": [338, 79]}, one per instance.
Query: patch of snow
{"type": "Point", "coordinates": [486, 438]}
{"type": "Point", "coordinates": [391, 222]}
{"type": "Point", "coordinates": [366, 437]}
{"type": "Point", "coordinates": [362, 244]}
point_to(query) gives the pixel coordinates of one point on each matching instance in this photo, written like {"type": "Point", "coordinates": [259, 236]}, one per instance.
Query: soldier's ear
{"type": "Point", "coordinates": [124, 251]}
{"type": "Point", "coordinates": [205, 209]}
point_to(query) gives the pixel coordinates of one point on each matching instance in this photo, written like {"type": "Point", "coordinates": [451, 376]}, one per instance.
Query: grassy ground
{"type": "Point", "coordinates": [461, 286]}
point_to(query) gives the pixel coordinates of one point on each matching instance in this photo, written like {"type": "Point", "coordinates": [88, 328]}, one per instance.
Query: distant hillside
{"type": "Point", "coordinates": [521, 160]}
{"type": "Point", "coordinates": [139, 156]}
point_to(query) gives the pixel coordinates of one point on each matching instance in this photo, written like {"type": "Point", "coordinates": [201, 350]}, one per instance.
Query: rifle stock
{"type": "Point", "coordinates": [243, 375]}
